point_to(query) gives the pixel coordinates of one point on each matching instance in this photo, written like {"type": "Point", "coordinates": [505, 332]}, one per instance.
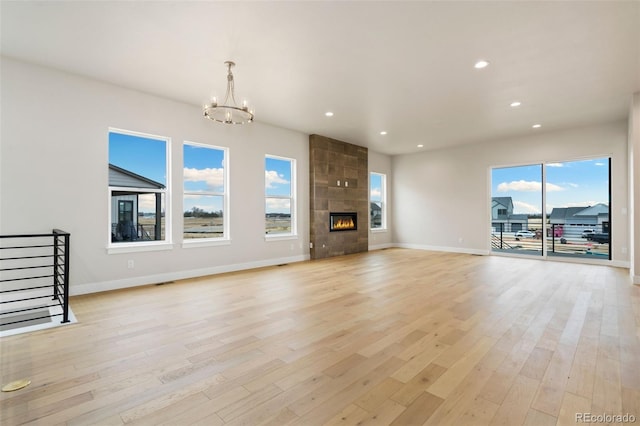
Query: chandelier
{"type": "Point", "coordinates": [228, 112]}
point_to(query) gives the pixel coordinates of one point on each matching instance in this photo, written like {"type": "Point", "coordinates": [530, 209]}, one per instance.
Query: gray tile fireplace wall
{"type": "Point", "coordinates": [339, 180]}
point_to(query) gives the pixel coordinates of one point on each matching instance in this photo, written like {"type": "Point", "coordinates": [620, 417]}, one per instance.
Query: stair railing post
{"type": "Point", "coordinates": [55, 264]}
{"type": "Point", "coordinates": [65, 312]}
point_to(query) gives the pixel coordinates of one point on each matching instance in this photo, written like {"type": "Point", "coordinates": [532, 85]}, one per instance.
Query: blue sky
{"type": "Point", "coordinates": [569, 184]}
{"type": "Point", "coordinates": [375, 187]}
{"type": "Point", "coordinates": [203, 172]}
{"type": "Point", "coordinates": [277, 177]}
{"type": "Point", "coordinates": [126, 151]}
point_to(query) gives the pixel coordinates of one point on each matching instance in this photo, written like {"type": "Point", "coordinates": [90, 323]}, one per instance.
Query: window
{"type": "Point", "coordinates": [125, 210]}
{"type": "Point", "coordinates": [377, 201]}
{"type": "Point", "coordinates": [280, 204]}
{"type": "Point", "coordinates": [205, 192]}
{"type": "Point", "coordinates": [137, 187]}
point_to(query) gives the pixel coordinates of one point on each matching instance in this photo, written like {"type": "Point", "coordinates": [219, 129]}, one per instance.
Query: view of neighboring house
{"type": "Point", "coordinates": [125, 205]}
{"type": "Point", "coordinates": [502, 217]}
{"type": "Point", "coordinates": [376, 215]}
{"type": "Point", "coordinates": [575, 220]}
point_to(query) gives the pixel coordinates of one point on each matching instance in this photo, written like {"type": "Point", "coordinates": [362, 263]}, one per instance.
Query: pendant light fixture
{"type": "Point", "coordinates": [228, 112]}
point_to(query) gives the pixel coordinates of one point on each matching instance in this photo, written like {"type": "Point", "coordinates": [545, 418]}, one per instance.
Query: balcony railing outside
{"type": "Point", "coordinates": [560, 240]}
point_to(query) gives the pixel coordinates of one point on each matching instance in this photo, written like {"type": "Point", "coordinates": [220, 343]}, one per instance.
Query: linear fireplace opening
{"type": "Point", "coordinates": [343, 221]}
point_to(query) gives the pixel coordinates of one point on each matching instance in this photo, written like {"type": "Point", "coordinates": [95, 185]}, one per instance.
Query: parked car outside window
{"type": "Point", "coordinates": [587, 232]}
{"type": "Point", "coordinates": [599, 238]}
{"type": "Point", "coordinates": [525, 234]}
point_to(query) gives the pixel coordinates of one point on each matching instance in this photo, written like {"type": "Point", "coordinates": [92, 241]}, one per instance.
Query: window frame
{"type": "Point", "coordinates": [383, 202]}
{"type": "Point", "coordinates": [141, 245]}
{"type": "Point", "coordinates": [226, 217]}
{"type": "Point", "coordinates": [292, 200]}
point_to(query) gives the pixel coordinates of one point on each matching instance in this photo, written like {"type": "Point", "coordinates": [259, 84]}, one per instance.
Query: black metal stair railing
{"type": "Point", "coordinates": [34, 267]}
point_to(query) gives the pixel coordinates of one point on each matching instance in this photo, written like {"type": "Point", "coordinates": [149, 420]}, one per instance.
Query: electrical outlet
{"type": "Point", "coordinates": [130, 264]}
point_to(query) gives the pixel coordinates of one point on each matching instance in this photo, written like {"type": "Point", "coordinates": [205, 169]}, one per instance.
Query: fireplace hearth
{"type": "Point", "coordinates": [343, 221]}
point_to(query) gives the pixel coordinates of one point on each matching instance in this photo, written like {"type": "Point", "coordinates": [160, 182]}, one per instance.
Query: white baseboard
{"type": "Point", "coordinates": [381, 246]}
{"type": "Point", "coordinates": [462, 250]}
{"type": "Point", "coordinates": [620, 264]}
{"type": "Point", "coordinates": [178, 275]}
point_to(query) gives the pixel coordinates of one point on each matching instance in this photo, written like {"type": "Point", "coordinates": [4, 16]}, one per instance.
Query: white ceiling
{"type": "Point", "coordinates": [402, 67]}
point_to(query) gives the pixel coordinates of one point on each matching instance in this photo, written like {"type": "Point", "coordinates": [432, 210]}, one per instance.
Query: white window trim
{"type": "Point", "coordinates": [293, 235]}
{"type": "Point", "coordinates": [383, 225]}
{"type": "Point", "coordinates": [226, 219]}
{"type": "Point", "coordinates": [139, 247]}
{"type": "Point", "coordinates": [166, 244]}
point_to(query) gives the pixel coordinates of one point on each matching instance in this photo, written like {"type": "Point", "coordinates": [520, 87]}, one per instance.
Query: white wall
{"type": "Point", "coordinates": [54, 174]}
{"type": "Point", "coordinates": [441, 199]}
{"type": "Point", "coordinates": [634, 185]}
{"type": "Point", "coordinates": [381, 163]}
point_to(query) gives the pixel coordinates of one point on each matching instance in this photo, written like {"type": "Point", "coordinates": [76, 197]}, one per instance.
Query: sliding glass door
{"type": "Point", "coordinates": [577, 203]}
{"type": "Point", "coordinates": [552, 209]}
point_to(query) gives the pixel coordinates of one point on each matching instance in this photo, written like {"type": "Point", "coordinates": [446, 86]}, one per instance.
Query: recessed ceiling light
{"type": "Point", "coordinates": [481, 64]}
{"type": "Point", "coordinates": [383, 133]}
{"type": "Point", "coordinates": [328, 114]}
{"type": "Point", "coordinates": [420, 146]}
{"type": "Point", "coordinates": [537, 126]}
{"type": "Point", "coordinates": [515, 104]}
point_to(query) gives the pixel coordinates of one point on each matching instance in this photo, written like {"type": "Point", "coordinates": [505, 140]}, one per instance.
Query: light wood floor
{"type": "Point", "coordinates": [387, 337]}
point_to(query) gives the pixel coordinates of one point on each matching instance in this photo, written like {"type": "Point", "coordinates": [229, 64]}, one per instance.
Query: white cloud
{"type": "Point", "coordinates": [581, 204]}
{"type": "Point", "coordinates": [555, 165]}
{"type": "Point", "coordinates": [278, 205]}
{"type": "Point", "coordinates": [527, 186]}
{"type": "Point", "coordinates": [600, 164]}
{"type": "Point", "coordinates": [520, 185]}
{"type": "Point", "coordinates": [271, 177]}
{"type": "Point", "coordinates": [214, 178]}
{"type": "Point", "coordinates": [376, 193]}
{"type": "Point", "coordinates": [552, 187]}
{"type": "Point", "coordinates": [520, 207]}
